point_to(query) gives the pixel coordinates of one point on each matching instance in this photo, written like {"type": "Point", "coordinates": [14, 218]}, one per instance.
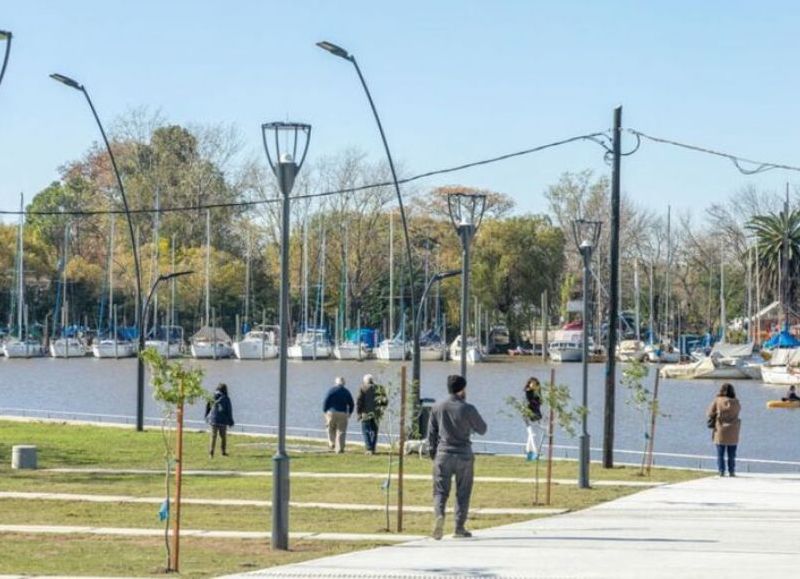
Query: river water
{"type": "Point", "coordinates": [80, 387]}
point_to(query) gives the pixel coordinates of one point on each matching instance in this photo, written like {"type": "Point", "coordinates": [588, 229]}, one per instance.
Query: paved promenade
{"type": "Point", "coordinates": [743, 527]}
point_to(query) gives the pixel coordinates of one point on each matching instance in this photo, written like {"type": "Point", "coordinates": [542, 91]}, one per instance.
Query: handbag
{"type": "Point", "coordinates": [711, 421]}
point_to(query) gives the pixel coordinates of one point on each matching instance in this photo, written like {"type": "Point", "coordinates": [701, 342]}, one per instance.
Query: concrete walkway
{"type": "Point", "coordinates": [96, 498]}
{"type": "Point", "coordinates": [347, 475]}
{"type": "Point", "coordinates": [743, 527]}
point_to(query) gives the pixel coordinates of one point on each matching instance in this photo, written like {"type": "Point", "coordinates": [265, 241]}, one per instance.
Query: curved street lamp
{"type": "Point", "coordinates": [7, 36]}
{"type": "Point", "coordinates": [294, 136]}
{"type": "Point", "coordinates": [65, 80]}
{"type": "Point", "coordinates": [415, 378]}
{"type": "Point", "coordinates": [586, 235]}
{"type": "Point", "coordinates": [466, 213]}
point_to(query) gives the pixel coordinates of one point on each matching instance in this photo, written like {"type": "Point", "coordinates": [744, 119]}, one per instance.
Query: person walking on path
{"type": "Point", "coordinates": [338, 406]}
{"type": "Point", "coordinates": [451, 424]}
{"type": "Point", "coordinates": [370, 403]}
{"type": "Point", "coordinates": [219, 415]}
{"type": "Point", "coordinates": [724, 415]}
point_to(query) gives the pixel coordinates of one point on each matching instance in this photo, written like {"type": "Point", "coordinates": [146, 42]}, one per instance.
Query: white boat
{"type": "Point", "coordinates": [167, 349]}
{"type": "Point", "coordinates": [433, 352]}
{"type": "Point", "coordinates": [310, 345]}
{"type": "Point", "coordinates": [67, 348]}
{"type": "Point", "coordinates": [709, 368]}
{"type": "Point", "coordinates": [350, 351]}
{"type": "Point", "coordinates": [780, 375]}
{"type": "Point", "coordinates": [258, 344]}
{"type": "Point", "coordinates": [662, 354]}
{"type": "Point", "coordinates": [565, 351]}
{"type": "Point", "coordinates": [113, 349]}
{"type": "Point", "coordinates": [391, 350]}
{"type": "Point", "coordinates": [631, 351]}
{"type": "Point", "coordinates": [474, 353]}
{"type": "Point", "coordinates": [211, 342]}
{"type": "Point", "coordinates": [29, 348]}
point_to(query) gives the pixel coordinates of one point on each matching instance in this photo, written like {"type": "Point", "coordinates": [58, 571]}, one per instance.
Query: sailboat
{"type": "Point", "coordinates": [66, 346]}
{"type": "Point", "coordinates": [23, 346]}
{"type": "Point", "coordinates": [633, 350]}
{"type": "Point", "coordinates": [393, 348]}
{"type": "Point", "coordinates": [313, 343]}
{"type": "Point", "coordinates": [259, 343]}
{"type": "Point", "coordinates": [664, 351]}
{"type": "Point", "coordinates": [167, 339]}
{"type": "Point", "coordinates": [111, 346]}
{"type": "Point", "coordinates": [210, 341]}
{"type": "Point", "coordinates": [346, 349]}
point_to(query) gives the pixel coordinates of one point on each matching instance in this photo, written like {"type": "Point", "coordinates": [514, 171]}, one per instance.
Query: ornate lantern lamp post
{"type": "Point", "coordinates": [586, 234]}
{"type": "Point", "coordinates": [294, 136]}
{"type": "Point", "coordinates": [466, 213]}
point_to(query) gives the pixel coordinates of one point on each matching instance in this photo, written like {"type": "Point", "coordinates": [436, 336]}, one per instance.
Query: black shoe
{"type": "Point", "coordinates": [732, 474]}
{"type": "Point", "coordinates": [462, 534]}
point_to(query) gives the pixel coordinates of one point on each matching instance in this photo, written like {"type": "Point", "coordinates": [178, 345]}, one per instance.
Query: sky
{"type": "Point", "coordinates": [454, 81]}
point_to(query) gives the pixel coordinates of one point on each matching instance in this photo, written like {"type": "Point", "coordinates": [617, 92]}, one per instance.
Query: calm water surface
{"type": "Point", "coordinates": [108, 387]}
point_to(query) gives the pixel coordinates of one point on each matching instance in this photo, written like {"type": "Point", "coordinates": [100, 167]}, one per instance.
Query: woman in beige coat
{"type": "Point", "coordinates": [724, 411]}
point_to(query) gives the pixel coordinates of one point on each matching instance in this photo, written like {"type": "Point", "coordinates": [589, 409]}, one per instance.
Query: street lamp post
{"type": "Point", "coordinates": [285, 168]}
{"type": "Point", "coordinates": [415, 331]}
{"type": "Point", "coordinates": [466, 213]}
{"type": "Point", "coordinates": [65, 80]}
{"type": "Point", "coordinates": [7, 36]}
{"type": "Point", "coordinates": [586, 234]}
{"type": "Point", "coordinates": [437, 277]}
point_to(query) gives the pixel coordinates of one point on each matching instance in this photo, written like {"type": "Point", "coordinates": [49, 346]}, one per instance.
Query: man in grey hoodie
{"type": "Point", "coordinates": [451, 424]}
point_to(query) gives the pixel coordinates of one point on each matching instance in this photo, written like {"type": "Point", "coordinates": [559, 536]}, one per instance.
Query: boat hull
{"type": "Point", "coordinates": [170, 350]}
{"type": "Point", "coordinates": [110, 350]}
{"type": "Point", "coordinates": [254, 350]}
{"type": "Point", "coordinates": [388, 351]}
{"type": "Point", "coordinates": [349, 352]}
{"type": "Point", "coordinates": [72, 349]}
{"type": "Point", "coordinates": [205, 351]}
{"type": "Point", "coordinates": [23, 350]}
{"type": "Point", "coordinates": [309, 352]}
{"type": "Point", "coordinates": [779, 376]}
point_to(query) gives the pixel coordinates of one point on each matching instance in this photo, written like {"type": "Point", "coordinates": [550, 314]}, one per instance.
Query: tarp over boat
{"type": "Point", "coordinates": [208, 333]}
{"type": "Point", "coordinates": [704, 368]}
{"type": "Point", "coordinates": [782, 339]}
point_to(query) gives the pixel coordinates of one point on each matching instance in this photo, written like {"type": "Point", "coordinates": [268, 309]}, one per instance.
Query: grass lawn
{"type": "Point", "coordinates": [61, 445]}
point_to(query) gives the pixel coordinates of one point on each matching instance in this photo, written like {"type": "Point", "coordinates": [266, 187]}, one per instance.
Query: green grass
{"type": "Point", "coordinates": [109, 556]}
{"type": "Point", "coordinates": [61, 445]}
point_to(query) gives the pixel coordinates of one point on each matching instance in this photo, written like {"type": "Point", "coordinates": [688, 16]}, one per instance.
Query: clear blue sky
{"type": "Point", "coordinates": [455, 81]}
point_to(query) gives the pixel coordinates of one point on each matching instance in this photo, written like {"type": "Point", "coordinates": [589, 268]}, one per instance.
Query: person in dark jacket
{"type": "Point", "coordinates": [369, 408]}
{"type": "Point", "coordinates": [338, 406]}
{"type": "Point", "coordinates": [791, 395]}
{"type": "Point", "coordinates": [533, 398]}
{"type": "Point", "coordinates": [451, 424]}
{"type": "Point", "coordinates": [724, 412]}
{"type": "Point", "coordinates": [219, 414]}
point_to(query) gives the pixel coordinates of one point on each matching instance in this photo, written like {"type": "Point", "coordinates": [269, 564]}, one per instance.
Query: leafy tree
{"type": "Point", "coordinates": [769, 230]}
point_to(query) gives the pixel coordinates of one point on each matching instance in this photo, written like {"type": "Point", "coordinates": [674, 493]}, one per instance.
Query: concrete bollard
{"type": "Point", "coordinates": [23, 456]}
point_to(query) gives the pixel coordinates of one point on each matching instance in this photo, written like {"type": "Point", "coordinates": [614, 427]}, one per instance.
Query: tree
{"type": "Point", "coordinates": [516, 259]}
{"type": "Point", "coordinates": [770, 230]}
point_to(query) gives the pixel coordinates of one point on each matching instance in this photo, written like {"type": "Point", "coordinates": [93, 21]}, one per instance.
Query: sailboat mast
{"type": "Point", "coordinates": [20, 270]}
{"type": "Point", "coordinates": [723, 322]}
{"type": "Point", "coordinates": [172, 292]}
{"type": "Point", "coordinates": [391, 276]}
{"type": "Point", "coordinates": [758, 297]}
{"type": "Point", "coordinates": [156, 251]}
{"type": "Point", "coordinates": [669, 267]}
{"type": "Point", "coordinates": [111, 275]}
{"type": "Point", "coordinates": [321, 321]}
{"type": "Point", "coordinates": [208, 267]}
{"type": "Point", "coordinates": [636, 295]}
{"type": "Point", "coordinates": [651, 318]}
{"type": "Point", "coordinates": [247, 280]}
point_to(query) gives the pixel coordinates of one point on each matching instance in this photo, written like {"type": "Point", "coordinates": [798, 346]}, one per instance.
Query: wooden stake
{"type": "Point", "coordinates": [176, 532]}
{"type": "Point", "coordinates": [401, 449]}
{"type": "Point", "coordinates": [653, 416]}
{"type": "Point", "coordinates": [550, 436]}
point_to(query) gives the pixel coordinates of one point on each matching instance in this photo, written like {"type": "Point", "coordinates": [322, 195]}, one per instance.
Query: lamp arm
{"type": "Point", "coordinates": [397, 190]}
{"type": "Point", "coordinates": [5, 58]}
{"type": "Point", "coordinates": [124, 199]}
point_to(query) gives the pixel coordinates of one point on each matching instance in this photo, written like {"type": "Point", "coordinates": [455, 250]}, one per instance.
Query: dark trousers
{"type": "Point", "coordinates": [222, 429]}
{"type": "Point", "coordinates": [731, 450]}
{"type": "Point", "coordinates": [369, 429]}
{"type": "Point", "coordinates": [445, 466]}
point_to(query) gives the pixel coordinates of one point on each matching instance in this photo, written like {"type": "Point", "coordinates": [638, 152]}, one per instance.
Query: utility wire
{"type": "Point", "coordinates": [760, 166]}
{"type": "Point", "coordinates": [594, 137]}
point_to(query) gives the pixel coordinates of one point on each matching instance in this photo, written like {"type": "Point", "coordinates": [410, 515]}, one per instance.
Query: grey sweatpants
{"type": "Point", "coordinates": [445, 466]}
